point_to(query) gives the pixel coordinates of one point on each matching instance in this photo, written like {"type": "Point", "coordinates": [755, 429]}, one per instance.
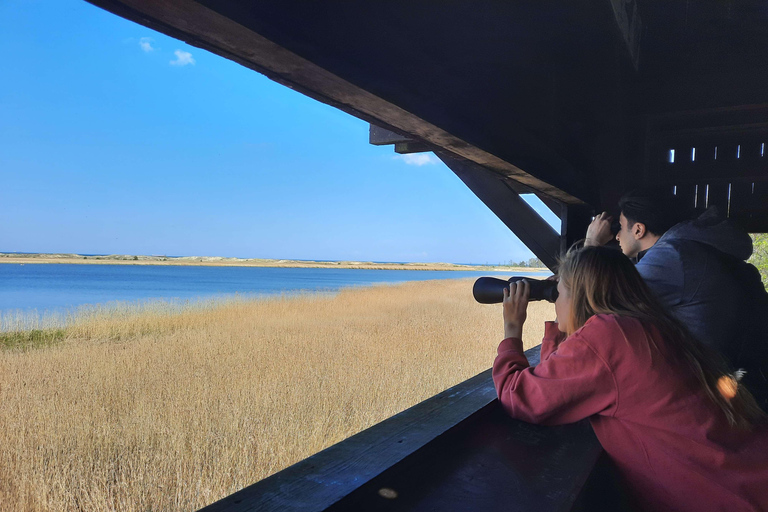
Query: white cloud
{"type": "Point", "coordinates": [182, 58]}
{"type": "Point", "coordinates": [418, 159]}
{"type": "Point", "coordinates": [146, 44]}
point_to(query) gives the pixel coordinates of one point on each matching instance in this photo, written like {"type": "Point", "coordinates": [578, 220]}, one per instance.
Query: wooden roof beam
{"type": "Point", "coordinates": [507, 204]}
{"type": "Point", "coordinates": [198, 25]}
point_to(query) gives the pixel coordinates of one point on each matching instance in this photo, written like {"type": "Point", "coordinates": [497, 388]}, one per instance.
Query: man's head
{"type": "Point", "coordinates": [646, 214]}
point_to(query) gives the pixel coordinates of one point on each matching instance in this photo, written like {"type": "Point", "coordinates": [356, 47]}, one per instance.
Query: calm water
{"type": "Point", "coordinates": [60, 287]}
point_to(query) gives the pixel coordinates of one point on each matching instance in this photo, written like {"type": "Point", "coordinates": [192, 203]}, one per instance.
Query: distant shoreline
{"type": "Point", "coordinates": [215, 261]}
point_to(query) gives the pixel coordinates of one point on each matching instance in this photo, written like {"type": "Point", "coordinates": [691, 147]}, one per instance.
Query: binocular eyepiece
{"type": "Point", "coordinates": [490, 290]}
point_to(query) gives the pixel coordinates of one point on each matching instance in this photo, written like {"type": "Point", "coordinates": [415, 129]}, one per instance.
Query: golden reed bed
{"type": "Point", "coordinates": [167, 410]}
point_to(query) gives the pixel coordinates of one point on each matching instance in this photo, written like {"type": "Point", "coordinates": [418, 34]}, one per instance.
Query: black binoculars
{"type": "Point", "coordinates": [490, 290]}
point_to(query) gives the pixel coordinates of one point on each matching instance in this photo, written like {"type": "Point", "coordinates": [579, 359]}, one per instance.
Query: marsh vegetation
{"type": "Point", "coordinates": [154, 409]}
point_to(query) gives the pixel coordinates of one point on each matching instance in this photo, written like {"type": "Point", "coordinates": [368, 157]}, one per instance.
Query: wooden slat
{"type": "Point", "coordinates": [749, 206]}
{"type": "Point", "coordinates": [234, 29]}
{"type": "Point", "coordinates": [749, 154]}
{"type": "Point", "coordinates": [405, 148]}
{"type": "Point", "coordinates": [687, 194]}
{"type": "Point", "coordinates": [701, 196]}
{"type": "Point", "coordinates": [495, 465]}
{"type": "Point", "coordinates": [738, 147]}
{"type": "Point", "coordinates": [726, 154]}
{"type": "Point", "coordinates": [725, 168]}
{"type": "Point", "coordinates": [741, 203]}
{"type": "Point", "coordinates": [554, 205]}
{"type": "Point", "coordinates": [705, 157]}
{"type": "Point", "coordinates": [718, 196]}
{"type": "Point", "coordinates": [759, 208]}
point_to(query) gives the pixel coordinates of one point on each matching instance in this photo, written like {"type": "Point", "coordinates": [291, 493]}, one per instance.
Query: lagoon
{"type": "Point", "coordinates": [51, 288]}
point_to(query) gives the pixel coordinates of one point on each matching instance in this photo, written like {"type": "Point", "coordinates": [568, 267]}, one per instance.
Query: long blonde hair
{"type": "Point", "coordinates": [604, 281]}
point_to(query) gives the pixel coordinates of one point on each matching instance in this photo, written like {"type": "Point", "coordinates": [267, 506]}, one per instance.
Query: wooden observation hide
{"type": "Point", "coordinates": [572, 101]}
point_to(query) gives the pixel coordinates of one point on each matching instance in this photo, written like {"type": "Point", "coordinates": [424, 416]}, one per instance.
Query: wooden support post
{"type": "Point", "coordinates": [553, 204]}
{"type": "Point", "coordinates": [574, 222]}
{"type": "Point", "coordinates": [507, 204]}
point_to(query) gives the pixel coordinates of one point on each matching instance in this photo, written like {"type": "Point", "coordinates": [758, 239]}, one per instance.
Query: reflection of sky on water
{"type": "Point", "coordinates": [56, 288]}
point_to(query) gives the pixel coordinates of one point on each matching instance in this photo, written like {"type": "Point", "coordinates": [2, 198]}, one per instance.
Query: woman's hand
{"type": "Point", "coordinates": [515, 305]}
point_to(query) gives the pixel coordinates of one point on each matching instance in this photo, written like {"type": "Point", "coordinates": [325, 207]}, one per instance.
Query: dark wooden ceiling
{"type": "Point", "coordinates": [575, 100]}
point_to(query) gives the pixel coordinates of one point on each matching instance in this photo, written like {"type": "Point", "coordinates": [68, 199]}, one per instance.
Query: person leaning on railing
{"type": "Point", "coordinates": [682, 432]}
{"type": "Point", "coordinates": [697, 269]}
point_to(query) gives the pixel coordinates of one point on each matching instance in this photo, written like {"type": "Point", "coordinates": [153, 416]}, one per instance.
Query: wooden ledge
{"type": "Point", "coordinates": [451, 452]}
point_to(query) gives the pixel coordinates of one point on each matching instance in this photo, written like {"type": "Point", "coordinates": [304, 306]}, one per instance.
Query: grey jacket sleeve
{"type": "Point", "coordinates": [662, 270]}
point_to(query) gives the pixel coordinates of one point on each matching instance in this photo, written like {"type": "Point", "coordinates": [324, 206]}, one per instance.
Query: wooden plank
{"type": "Point", "coordinates": [751, 151]}
{"type": "Point", "coordinates": [554, 205]}
{"type": "Point", "coordinates": [205, 27]}
{"type": "Point", "coordinates": [759, 211]}
{"type": "Point", "coordinates": [494, 465]}
{"type": "Point", "coordinates": [379, 136]}
{"type": "Point", "coordinates": [735, 135]}
{"type": "Point", "coordinates": [741, 198]}
{"type": "Point", "coordinates": [507, 204]}
{"type": "Point", "coordinates": [323, 479]}
{"type": "Point", "coordinates": [726, 154]}
{"type": "Point", "coordinates": [749, 206]}
{"type": "Point", "coordinates": [687, 194]}
{"type": "Point", "coordinates": [519, 187]}
{"type": "Point", "coordinates": [718, 196]}
{"type": "Point", "coordinates": [744, 207]}
{"type": "Point", "coordinates": [405, 148]}
{"type": "Point", "coordinates": [703, 165]}
{"type": "Point", "coordinates": [701, 196]}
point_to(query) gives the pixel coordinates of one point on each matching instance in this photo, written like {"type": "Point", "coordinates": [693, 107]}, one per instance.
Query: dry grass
{"type": "Point", "coordinates": [174, 410]}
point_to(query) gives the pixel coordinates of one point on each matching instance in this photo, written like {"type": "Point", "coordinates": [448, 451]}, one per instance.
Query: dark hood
{"type": "Point", "coordinates": [713, 229]}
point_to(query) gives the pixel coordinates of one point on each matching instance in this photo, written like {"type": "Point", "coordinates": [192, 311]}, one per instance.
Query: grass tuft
{"type": "Point", "coordinates": [35, 338]}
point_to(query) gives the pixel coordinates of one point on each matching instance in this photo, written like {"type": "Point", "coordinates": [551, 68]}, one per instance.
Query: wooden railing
{"type": "Point", "coordinates": [455, 451]}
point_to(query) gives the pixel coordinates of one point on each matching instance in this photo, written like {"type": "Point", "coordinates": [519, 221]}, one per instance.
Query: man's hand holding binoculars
{"type": "Point", "coordinates": [599, 230]}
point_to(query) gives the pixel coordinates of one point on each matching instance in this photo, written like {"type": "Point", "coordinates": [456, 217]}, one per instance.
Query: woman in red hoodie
{"type": "Point", "coordinates": [682, 432]}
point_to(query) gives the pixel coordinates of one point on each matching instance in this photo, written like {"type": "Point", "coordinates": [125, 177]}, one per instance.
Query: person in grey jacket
{"type": "Point", "coordinates": [698, 269]}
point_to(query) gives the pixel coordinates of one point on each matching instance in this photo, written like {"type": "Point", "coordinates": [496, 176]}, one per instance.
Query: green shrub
{"type": "Point", "coordinates": [760, 254]}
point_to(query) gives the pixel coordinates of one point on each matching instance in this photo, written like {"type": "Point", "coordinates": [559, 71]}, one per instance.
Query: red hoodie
{"type": "Point", "coordinates": [673, 446]}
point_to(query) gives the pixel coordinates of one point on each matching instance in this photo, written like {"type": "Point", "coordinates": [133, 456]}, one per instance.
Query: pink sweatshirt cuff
{"type": "Point", "coordinates": [552, 332]}
{"type": "Point", "coordinates": [511, 345]}
{"type": "Point", "coordinates": [552, 338]}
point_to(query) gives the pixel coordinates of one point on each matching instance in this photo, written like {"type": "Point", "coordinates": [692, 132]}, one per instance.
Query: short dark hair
{"type": "Point", "coordinates": [659, 209]}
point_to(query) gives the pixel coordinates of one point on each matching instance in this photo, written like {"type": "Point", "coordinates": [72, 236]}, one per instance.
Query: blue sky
{"type": "Point", "coordinates": [115, 139]}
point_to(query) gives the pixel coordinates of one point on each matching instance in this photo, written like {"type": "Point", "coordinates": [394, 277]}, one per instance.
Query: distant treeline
{"type": "Point", "coordinates": [531, 263]}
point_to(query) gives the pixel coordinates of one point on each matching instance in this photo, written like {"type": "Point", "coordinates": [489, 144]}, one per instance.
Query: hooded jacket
{"type": "Point", "coordinates": [698, 270]}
